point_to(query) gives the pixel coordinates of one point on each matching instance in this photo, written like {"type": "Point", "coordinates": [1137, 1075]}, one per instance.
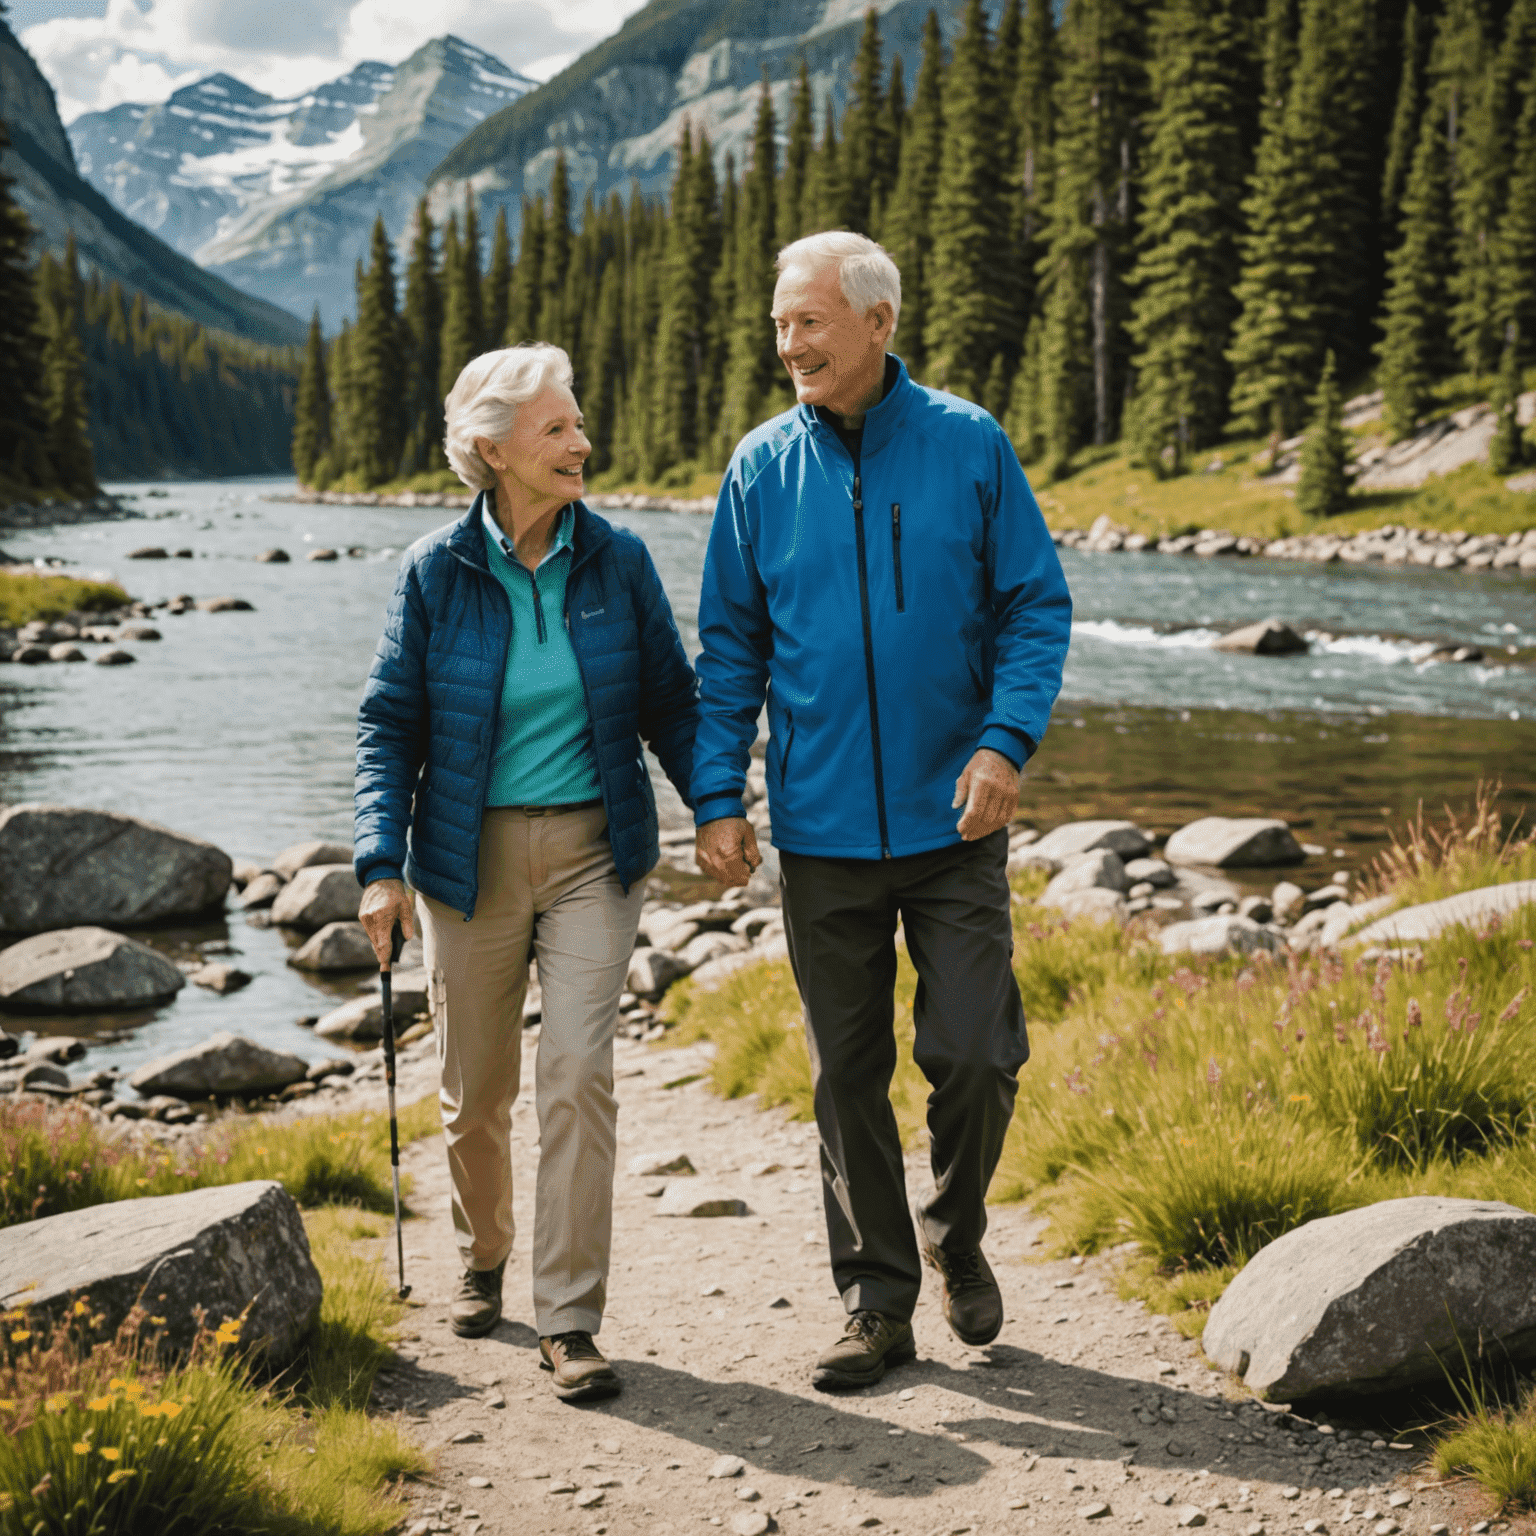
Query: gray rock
{"type": "Point", "coordinates": [652, 971]}
{"type": "Point", "coordinates": [1066, 842]}
{"type": "Point", "coordinates": [711, 945]}
{"type": "Point", "coordinates": [261, 891]}
{"type": "Point", "coordinates": [334, 1066]}
{"type": "Point", "coordinates": [1224, 935]}
{"type": "Point", "coordinates": [59, 1048]}
{"type": "Point", "coordinates": [1099, 870]}
{"type": "Point", "coordinates": [274, 557]}
{"type": "Point", "coordinates": [1286, 899]}
{"type": "Point", "coordinates": [323, 554]}
{"type": "Point", "coordinates": [1226, 842]}
{"type": "Point", "coordinates": [304, 855]}
{"type": "Point", "coordinates": [1095, 905]}
{"type": "Point", "coordinates": [1259, 908]}
{"type": "Point", "coordinates": [223, 1064]}
{"type": "Point", "coordinates": [1415, 924]}
{"type": "Point", "coordinates": [82, 969]}
{"type": "Point", "coordinates": [1323, 896]}
{"type": "Point", "coordinates": [363, 1017]}
{"type": "Point", "coordinates": [685, 1198]}
{"type": "Point", "coordinates": [61, 867]}
{"type": "Point", "coordinates": [726, 1466]}
{"type": "Point", "coordinates": [1363, 1302]}
{"type": "Point", "coordinates": [9, 1046]}
{"type": "Point", "coordinates": [148, 552]}
{"type": "Point", "coordinates": [220, 1248]}
{"type": "Point", "coordinates": [318, 894]}
{"type": "Point", "coordinates": [649, 1165]}
{"type": "Point", "coordinates": [139, 632]}
{"type": "Point", "coordinates": [65, 650]}
{"type": "Point", "coordinates": [116, 657]}
{"type": "Point", "coordinates": [751, 923]}
{"type": "Point", "coordinates": [218, 977]}
{"type": "Point", "coordinates": [336, 947]}
{"type": "Point", "coordinates": [1269, 637]}
{"type": "Point", "coordinates": [243, 873]}
{"type": "Point", "coordinates": [224, 605]}
{"type": "Point", "coordinates": [1156, 872]}
{"type": "Point", "coordinates": [1342, 917]}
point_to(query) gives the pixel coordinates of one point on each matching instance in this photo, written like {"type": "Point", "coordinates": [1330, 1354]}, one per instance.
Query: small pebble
{"type": "Point", "coordinates": [1400, 1500]}
{"type": "Point", "coordinates": [1479, 1528]}
{"type": "Point", "coordinates": [1399, 1445]}
{"type": "Point", "coordinates": [1092, 1511]}
{"type": "Point", "coordinates": [1191, 1515]}
{"type": "Point", "coordinates": [478, 1482]}
{"type": "Point", "coordinates": [495, 1400]}
{"type": "Point", "coordinates": [609, 1447]}
{"type": "Point", "coordinates": [1386, 1528]}
{"type": "Point", "coordinates": [561, 1487]}
{"type": "Point", "coordinates": [727, 1466]}
{"type": "Point", "coordinates": [466, 1437]}
{"type": "Point", "coordinates": [713, 1290]}
{"type": "Point", "coordinates": [1313, 1527]}
{"type": "Point", "coordinates": [763, 1440]}
{"type": "Point", "coordinates": [1439, 1529]}
{"type": "Point", "coordinates": [1254, 1528]}
{"type": "Point", "coordinates": [1161, 1497]}
{"type": "Point", "coordinates": [748, 1494]}
{"type": "Point", "coordinates": [589, 1498]}
{"type": "Point", "coordinates": [750, 1522]}
{"type": "Point", "coordinates": [1290, 1493]}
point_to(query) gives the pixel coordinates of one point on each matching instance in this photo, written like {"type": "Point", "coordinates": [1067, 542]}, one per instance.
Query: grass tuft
{"type": "Point", "coordinates": [24, 597]}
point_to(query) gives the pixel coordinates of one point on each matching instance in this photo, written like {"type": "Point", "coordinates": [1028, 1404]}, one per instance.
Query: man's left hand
{"type": "Point", "coordinates": [989, 791]}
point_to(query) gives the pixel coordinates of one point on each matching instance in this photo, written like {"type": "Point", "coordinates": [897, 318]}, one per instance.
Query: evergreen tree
{"type": "Point", "coordinates": [527, 277]}
{"type": "Point", "coordinates": [556, 257]}
{"type": "Point", "coordinates": [459, 335]}
{"type": "Point", "coordinates": [379, 436]}
{"type": "Point", "coordinates": [496, 301]}
{"type": "Point", "coordinates": [606, 368]}
{"type": "Point", "coordinates": [1516, 252]}
{"type": "Point", "coordinates": [720, 320]}
{"type": "Point", "coordinates": [1507, 450]}
{"type": "Point", "coordinates": [1007, 48]}
{"type": "Point", "coordinates": [966, 308]}
{"type": "Point", "coordinates": [312, 409]}
{"type": "Point", "coordinates": [1063, 399]}
{"type": "Point", "coordinates": [895, 127]}
{"type": "Point", "coordinates": [344, 411]}
{"type": "Point", "coordinates": [865, 155]}
{"type": "Point", "coordinates": [65, 404]}
{"type": "Point", "coordinates": [422, 345]}
{"type": "Point", "coordinates": [1323, 490]}
{"type": "Point", "coordinates": [1405, 117]}
{"type": "Point", "coordinates": [472, 288]}
{"type": "Point", "coordinates": [1034, 116]}
{"type": "Point", "coordinates": [1025, 422]}
{"type": "Point", "coordinates": [116, 316]}
{"type": "Point", "coordinates": [825, 202]}
{"type": "Point", "coordinates": [23, 422]}
{"type": "Point", "coordinates": [752, 366]}
{"type": "Point", "coordinates": [797, 158]}
{"type": "Point", "coordinates": [908, 220]}
{"type": "Point", "coordinates": [1189, 225]}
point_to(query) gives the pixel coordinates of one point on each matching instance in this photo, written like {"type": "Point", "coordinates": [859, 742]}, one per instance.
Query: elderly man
{"type": "Point", "coordinates": [879, 570]}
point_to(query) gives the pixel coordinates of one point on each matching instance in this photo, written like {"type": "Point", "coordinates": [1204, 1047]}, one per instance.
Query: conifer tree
{"type": "Point", "coordinates": [966, 310]}
{"type": "Point", "coordinates": [752, 363]}
{"type": "Point", "coordinates": [1063, 401]}
{"type": "Point", "coordinates": [472, 288]}
{"type": "Point", "coordinates": [496, 300]}
{"type": "Point", "coordinates": [312, 409]}
{"type": "Point", "coordinates": [344, 422]}
{"type": "Point", "coordinates": [379, 434]}
{"type": "Point", "coordinates": [797, 157]}
{"type": "Point", "coordinates": [116, 315]}
{"type": "Point", "coordinates": [556, 258]}
{"type": "Point", "coordinates": [605, 368]}
{"type": "Point", "coordinates": [865, 154]}
{"type": "Point", "coordinates": [527, 276]}
{"type": "Point", "coordinates": [1189, 225]}
{"type": "Point", "coordinates": [1034, 116]}
{"type": "Point", "coordinates": [719, 321]}
{"type": "Point", "coordinates": [1405, 117]}
{"type": "Point", "coordinates": [421, 345]}
{"type": "Point", "coordinates": [1516, 251]}
{"type": "Point", "coordinates": [459, 334]}
{"type": "Point", "coordinates": [1323, 490]}
{"type": "Point", "coordinates": [1007, 48]}
{"type": "Point", "coordinates": [1024, 422]}
{"type": "Point", "coordinates": [908, 221]}
{"type": "Point", "coordinates": [825, 202]}
{"type": "Point", "coordinates": [65, 402]}
{"type": "Point", "coordinates": [1507, 450]}
{"type": "Point", "coordinates": [895, 129]}
{"type": "Point", "coordinates": [23, 421]}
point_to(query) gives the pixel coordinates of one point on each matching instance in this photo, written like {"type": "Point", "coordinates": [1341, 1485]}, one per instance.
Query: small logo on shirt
{"type": "Point", "coordinates": [592, 613]}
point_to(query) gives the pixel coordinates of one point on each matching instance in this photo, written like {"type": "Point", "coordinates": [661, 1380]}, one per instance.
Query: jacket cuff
{"type": "Point", "coordinates": [1014, 745]}
{"type": "Point", "coordinates": [379, 870]}
{"type": "Point", "coordinates": [718, 807]}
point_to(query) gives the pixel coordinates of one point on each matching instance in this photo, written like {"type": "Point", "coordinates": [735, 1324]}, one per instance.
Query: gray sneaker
{"type": "Point", "coordinates": [476, 1308]}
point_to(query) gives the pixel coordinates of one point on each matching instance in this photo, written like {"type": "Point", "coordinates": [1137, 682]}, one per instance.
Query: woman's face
{"type": "Point", "coordinates": [544, 453]}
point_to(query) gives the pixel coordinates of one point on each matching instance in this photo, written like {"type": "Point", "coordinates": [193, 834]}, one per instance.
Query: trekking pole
{"type": "Point", "coordinates": [396, 944]}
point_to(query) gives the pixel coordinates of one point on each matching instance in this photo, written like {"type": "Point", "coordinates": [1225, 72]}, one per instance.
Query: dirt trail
{"type": "Point", "coordinates": [1086, 1413]}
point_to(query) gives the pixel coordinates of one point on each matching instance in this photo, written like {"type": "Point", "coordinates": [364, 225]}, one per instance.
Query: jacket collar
{"type": "Point", "coordinates": [880, 421]}
{"type": "Point", "coordinates": [467, 540]}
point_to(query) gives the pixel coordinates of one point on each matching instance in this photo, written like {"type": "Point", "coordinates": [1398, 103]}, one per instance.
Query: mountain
{"type": "Point", "coordinates": [618, 111]}
{"type": "Point", "coordinates": [57, 200]}
{"type": "Point", "coordinates": [279, 196]}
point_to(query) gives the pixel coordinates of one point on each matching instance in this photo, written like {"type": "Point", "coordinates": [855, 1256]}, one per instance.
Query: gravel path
{"type": "Point", "coordinates": [1086, 1413]}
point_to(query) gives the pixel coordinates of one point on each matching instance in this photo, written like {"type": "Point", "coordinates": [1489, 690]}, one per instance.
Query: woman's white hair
{"type": "Point", "coordinates": [865, 271]}
{"type": "Point", "coordinates": [484, 400]}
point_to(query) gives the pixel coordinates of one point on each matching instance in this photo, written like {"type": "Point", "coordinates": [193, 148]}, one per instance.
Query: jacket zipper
{"type": "Point", "coordinates": [901, 597]}
{"type": "Point", "coordinates": [869, 662]}
{"type": "Point", "coordinates": [789, 742]}
{"type": "Point", "coordinates": [538, 609]}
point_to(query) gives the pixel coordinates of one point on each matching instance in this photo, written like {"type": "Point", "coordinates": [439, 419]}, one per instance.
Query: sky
{"type": "Point", "coordinates": [97, 53]}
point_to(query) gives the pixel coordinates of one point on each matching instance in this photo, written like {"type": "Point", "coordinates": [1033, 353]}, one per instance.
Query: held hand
{"type": "Point", "coordinates": [726, 850]}
{"type": "Point", "coordinates": [989, 791]}
{"type": "Point", "coordinates": [385, 903]}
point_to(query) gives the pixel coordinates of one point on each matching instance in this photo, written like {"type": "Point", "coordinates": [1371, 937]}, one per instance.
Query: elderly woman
{"type": "Point", "coordinates": [528, 649]}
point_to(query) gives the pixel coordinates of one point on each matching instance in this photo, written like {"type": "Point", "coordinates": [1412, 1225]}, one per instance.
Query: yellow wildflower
{"type": "Point", "coordinates": [1301, 1098]}
{"type": "Point", "coordinates": [7, 1405]}
{"type": "Point", "coordinates": [20, 1335]}
{"type": "Point", "coordinates": [169, 1408]}
{"type": "Point", "coordinates": [159, 1322]}
{"type": "Point", "coordinates": [261, 1151]}
{"type": "Point", "coordinates": [116, 1384]}
{"type": "Point", "coordinates": [111, 1452]}
{"type": "Point", "coordinates": [121, 1473]}
{"type": "Point", "coordinates": [141, 1182]}
{"type": "Point", "coordinates": [160, 1440]}
{"type": "Point", "coordinates": [81, 1447]}
{"type": "Point", "coordinates": [100, 1404]}
{"type": "Point", "coordinates": [134, 1389]}
{"type": "Point", "coordinates": [150, 1410]}
{"type": "Point", "coordinates": [58, 1402]}
{"type": "Point", "coordinates": [80, 1308]}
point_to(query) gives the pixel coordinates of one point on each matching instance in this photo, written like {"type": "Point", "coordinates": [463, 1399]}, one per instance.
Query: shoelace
{"type": "Point", "coordinates": [963, 1269]}
{"type": "Point", "coordinates": [864, 1325]}
{"type": "Point", "coordinates": [577, 1346]}
{"type": "Point", "coordinates": [478, 1282]}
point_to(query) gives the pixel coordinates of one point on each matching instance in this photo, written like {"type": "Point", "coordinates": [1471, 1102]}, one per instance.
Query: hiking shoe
{"type": "Point", "coordinates": [476, 1307]}
{"type": "Point", "coordinates": [581, 1372]}
{"type": "Point", "coordinates": [871, 1342]}
{"type": "Point", "coordinates": [973, 1305]}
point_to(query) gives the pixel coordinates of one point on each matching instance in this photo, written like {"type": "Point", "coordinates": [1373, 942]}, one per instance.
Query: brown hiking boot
{"type": "Point", "coordinates": [581, 1373]}
{"type": "Point", "coordinates": [476, 1307]}
{"type": "Point", "coordinates": [973, 1305]}
{"type": "Point", "coordinates": [871, 1342]}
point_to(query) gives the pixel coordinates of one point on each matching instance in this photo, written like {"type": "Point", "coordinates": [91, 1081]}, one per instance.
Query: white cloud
{"type": "Point", "coordinates": [143, 54]}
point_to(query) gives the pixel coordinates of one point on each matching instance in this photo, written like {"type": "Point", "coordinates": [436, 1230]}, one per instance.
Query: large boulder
{"type": "Point", "coordinates": [1269, 637]}
{"type": "Point", "coordinates": [61, 867]}
{"type": "Point", "coordinates": [1066, 842]}
{"type": "Point", "coordinates": [652, 971]}
{"type": "Point", "coordinates": [82, 970]}
{"type": "Point", "coordinates": [1100, 870]}
{"type": "Point", "coordinates": [1415, 924]}
{"type": "Point", "coordinates": [336, 947]}
{"type": "Point", "coordinates": [318, 894]}
{"type": "Point", "coordinates": [1226, 934]}
{"type": "Point", "coordinates": [1366, 1301]}
{"type": "Point", "coordinates": [222, 1065]}
{"type": "Point", "coordinates": [1233, 841]}
{"type": "Point", "coordinates": [362, 1018]}
{"type": "Point", "coordinates": [220, 1249]}
{"type": "Point", "coordinates": [304, 855]}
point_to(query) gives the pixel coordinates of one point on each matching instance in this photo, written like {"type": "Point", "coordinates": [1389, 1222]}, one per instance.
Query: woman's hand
{"type": "Point", "coordinates": [385, 903]}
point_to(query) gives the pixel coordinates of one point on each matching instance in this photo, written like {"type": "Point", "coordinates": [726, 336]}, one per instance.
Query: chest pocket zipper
{"type": "Point", "coordinates": [901, 597]}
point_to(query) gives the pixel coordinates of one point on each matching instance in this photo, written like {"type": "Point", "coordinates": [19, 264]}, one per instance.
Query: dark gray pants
{"type": "Point", "coordinates": [840, 920]}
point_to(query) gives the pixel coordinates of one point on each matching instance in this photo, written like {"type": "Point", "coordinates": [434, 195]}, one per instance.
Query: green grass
{"type": "Point", "coordinates": [100, 1438]}
{"type": "Point", "coordinates": [54, 1160]}
{"type": "Point", "coordinates": [1496, 1447]}
{"type": "Point", "coordinates": [24, 597]}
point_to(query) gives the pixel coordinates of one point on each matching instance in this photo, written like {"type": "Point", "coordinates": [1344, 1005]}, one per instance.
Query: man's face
{"type": "Point", "coordinates": [835, 356]}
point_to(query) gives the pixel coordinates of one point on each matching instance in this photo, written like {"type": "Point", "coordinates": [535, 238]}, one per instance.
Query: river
{"type": "Point", "coordinates": [239, 727]}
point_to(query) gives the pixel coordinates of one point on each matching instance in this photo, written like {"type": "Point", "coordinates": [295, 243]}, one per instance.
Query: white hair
{"type": "Point", "coordinates": [484, 400]}
{"type": "Point", "coordinates": [865, 271]}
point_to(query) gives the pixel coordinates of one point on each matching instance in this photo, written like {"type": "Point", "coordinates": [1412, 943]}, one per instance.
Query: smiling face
{"type": "Point", "coordinates": [540, 461]}
{"type": "Point", "coordinates": [835, 356]}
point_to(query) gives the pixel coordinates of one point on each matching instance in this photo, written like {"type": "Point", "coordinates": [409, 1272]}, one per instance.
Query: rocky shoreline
{"type": "Point", "coordinates": [47, 514]}
{"type": "Point", "coordinates": [604, 501]}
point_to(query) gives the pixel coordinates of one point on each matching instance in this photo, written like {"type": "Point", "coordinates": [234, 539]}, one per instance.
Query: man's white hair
{"type": "Point", "coordinates": [865, 271]}
{"type": "Point", "coordinates": [484, 400]}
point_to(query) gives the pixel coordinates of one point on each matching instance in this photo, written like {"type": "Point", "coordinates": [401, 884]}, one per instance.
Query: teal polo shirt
{"type": "Point", "coordinates": [543, 754]}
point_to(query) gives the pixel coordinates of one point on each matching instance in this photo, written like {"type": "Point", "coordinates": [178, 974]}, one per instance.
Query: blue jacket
{"type": "Point", "coordinates": [897, 617]}
{"type": "Point", "coordinates": [427, 723]}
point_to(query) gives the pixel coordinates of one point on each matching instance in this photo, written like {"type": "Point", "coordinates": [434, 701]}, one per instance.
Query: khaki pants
{"type": "Point", "coordinates": [548, 888]}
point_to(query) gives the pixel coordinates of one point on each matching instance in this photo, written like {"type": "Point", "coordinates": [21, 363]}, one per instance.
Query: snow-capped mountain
{"type": "Point", "coordinates": [279, 196]}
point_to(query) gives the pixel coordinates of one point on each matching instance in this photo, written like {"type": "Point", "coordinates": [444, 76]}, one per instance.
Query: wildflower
{"type": "Point", "coordinates": [121, 1473]}
{"type": "Point", "coordinates": [1301, 1098]}
{"type": "Point", "coordinates": [1377, 1041]}
{"type": "Point", "coordinates": [141, 1182]}
{"type": "Point", "coordinates": [169, 1408]}
{"type": "Point", "coordinates": [80, 1309]}
{"type": "Point", "coordinates": [116, 1384]}
{"type": "Point", "coordinates": [58, 1402]}
{"type": "Point", "coordinates": [7, 1405]}
{"type": "Point", "coordinates": [151, 1410]}
{"type": "Point", "coordinates": [261, 1151]}
{"type": "Point", "coordinates": [81, 1447]}
{"type": "Point", "coordinates": [1213, 1073]}
{"type": "Point", "coordinates": [1511, 1013]}
{"type": "Point", "coordinates": [110, 1452]}
{"type": "Point", "coordinates": [1415, 1013]}
{"type": "Point", "coordinates": [134, 1389]}
{"type": "Point", "coordinates": [20, 1335]}
{"type": "Point", "coordinates": [101, 1404]}
{"type": "Point", "coordinates": [158, 1321]}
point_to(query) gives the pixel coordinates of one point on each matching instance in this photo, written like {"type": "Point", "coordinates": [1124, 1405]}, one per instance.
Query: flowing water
{"type": "Point", "coordinates": [239, 727]}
